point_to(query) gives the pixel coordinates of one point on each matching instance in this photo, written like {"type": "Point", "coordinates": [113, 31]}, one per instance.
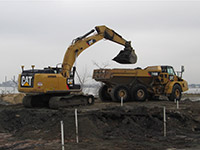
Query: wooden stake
{"type": "Point", "coordinates": [62, 135]}
{"type": "Point", "coordinates": [76, 124]}
{"type": "Point", "coordinates": [174, 100]}
{"type": "Point", "coordinates": [164, 121]}
{"type": "Point", "coordinates": [122, 101]}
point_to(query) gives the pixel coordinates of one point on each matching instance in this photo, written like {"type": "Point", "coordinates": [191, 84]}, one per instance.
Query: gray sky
{"type": "Point", "coordinates": [39, 32]}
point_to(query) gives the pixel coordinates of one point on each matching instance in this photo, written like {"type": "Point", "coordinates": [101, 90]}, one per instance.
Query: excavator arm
{"type": "Point", "coordinates": [111, 35]}
{"type": "Point", "coordinates": [126, 56]}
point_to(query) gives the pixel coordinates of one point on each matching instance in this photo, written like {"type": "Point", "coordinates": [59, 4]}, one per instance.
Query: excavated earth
{"type": "Point", "coordinates": [103, 126]}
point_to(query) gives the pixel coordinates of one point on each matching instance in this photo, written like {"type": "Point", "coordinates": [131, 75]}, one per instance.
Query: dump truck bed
{"type": "Point", "coordinates": [121, 76]}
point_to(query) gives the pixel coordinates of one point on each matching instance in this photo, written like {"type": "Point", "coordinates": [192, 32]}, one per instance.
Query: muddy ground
{"type": "Point", "coordinates": [103, 126]}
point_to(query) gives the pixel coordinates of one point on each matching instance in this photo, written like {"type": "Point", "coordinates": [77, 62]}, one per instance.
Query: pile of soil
{"type": "Point", "coordinates": [6, 99]}
{"type": "Point", "coordinates": [102, 126]}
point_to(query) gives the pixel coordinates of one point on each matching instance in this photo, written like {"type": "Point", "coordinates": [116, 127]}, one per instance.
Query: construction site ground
{"type": "Point", "coordinates": [103, 126]}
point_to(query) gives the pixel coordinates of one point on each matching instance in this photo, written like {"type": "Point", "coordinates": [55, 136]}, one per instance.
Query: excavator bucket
{"type": "Point", "coordinates": [126, 56]}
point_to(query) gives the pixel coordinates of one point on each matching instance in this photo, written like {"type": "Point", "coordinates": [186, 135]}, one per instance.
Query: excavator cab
{"type": "Point", "coordinates": [70, 81]}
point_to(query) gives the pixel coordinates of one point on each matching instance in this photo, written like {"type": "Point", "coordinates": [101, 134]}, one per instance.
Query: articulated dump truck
{"type": "Point", "coordinates": [140, 84]}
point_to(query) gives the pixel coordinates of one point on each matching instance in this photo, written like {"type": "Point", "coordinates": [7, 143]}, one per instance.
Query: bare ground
{"type": "Point", "coordinates": [103, 126]}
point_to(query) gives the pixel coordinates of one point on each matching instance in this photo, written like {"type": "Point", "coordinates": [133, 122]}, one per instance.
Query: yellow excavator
{"type": "Point", "coordinates": [55, 87]}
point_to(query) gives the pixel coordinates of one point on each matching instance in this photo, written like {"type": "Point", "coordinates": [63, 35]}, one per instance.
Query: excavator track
{"type": "Point", "coordinates": [27, 101]}
{"type": "Point", "coordinates": [30, 101]}
{"type": "Point", "coordinates": [70, 101]}
{"type": "Point", "coordinates": [56, 102]}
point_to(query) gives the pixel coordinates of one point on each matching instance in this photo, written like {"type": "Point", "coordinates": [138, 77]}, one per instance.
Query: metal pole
{"type": "Point", "coordinates": [164, 120]}
{"type": "Point", "coordinates": [76, 124]}
{"type": "Point", "coordinates": [62, 135]}
{"type": "Point", "coordinates": [122, 101]}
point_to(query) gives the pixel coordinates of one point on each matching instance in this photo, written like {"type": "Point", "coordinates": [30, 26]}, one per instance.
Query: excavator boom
{"type": "Point", "coordinates": [126, 56]}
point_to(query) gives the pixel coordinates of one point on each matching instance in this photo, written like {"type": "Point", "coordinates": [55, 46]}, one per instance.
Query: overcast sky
{"type": "Point", "coordinates": [39, 32]}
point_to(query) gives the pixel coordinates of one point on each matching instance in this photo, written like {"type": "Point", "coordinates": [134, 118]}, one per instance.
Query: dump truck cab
{"type": "Point", "coordinates": [166, 76]}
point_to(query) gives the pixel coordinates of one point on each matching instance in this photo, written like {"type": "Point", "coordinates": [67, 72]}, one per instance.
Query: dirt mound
{"type": "Point", "coordinates": [102, 126]}
{"type": "Point", "coordinates": [11, 98]}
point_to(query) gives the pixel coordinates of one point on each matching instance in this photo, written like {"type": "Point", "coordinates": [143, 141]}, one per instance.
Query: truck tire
{"type": "Point", "coordinates": [103, 94]}
{"type": "Point", "coordinates": [176, 93]}
{"type": "Point", "coordinates": [120, 91]}
{"type": "Point", "coordinates": [139, 93]}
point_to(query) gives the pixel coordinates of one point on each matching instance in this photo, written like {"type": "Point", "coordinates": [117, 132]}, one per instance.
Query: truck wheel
{"type": "Point", "coordinates": [176, 93]}
{"type": "Point", "coordinates": [103, 94]}
{"type": "Point", "coordinates": [120, 91]}
{"type": "Point", "coordinates": [139, 93]}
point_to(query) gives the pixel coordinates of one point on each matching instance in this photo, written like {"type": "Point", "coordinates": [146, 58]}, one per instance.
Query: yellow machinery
{"type": "Point", "coordinates": [53, 86]}
{"type": "Point", "coordinates": [140, 84]}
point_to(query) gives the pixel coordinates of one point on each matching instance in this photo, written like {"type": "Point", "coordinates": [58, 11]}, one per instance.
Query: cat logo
{"type": "Point", "coordinates": [90, 42]}
{"type": "Point", "coordinates": [26, 81]}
